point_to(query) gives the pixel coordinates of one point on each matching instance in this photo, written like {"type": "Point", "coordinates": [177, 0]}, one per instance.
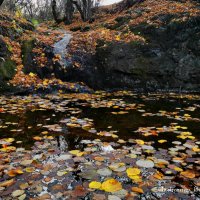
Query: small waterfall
{"type": "Point", "coordinates": [60, 48]}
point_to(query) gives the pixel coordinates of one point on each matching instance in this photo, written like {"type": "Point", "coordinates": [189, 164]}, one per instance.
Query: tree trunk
{"type": "Point", "coordinates": [78, 6]}
{"type": "Point", "coordinates": [1, 1]}
{"type": "Point", "coordinates": [69, 10]}
{"type": "Point", "coordinates": [54, 12]}
{"type": "Point", "coordinates": [85, 10]}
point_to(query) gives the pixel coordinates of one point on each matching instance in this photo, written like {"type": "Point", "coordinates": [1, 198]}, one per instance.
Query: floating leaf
{"type": "Point", "coordinates": [17, 193]}
{"type": "Point", "coordinates": [137, 189]}
{"type": "Point", "coordinates": [158, 175]}
{"type": "Point", "coordinates": [95, 185]}
{"type": "Point", "coordinates": [62, 172]}
{"type": "Point", "coordinates": [178, 169]}
{"type": "Point", "coordinates": [188, 174]}
{"type": "Point", "coordinates": [118, 167]}
{"type": "Point", "coordinates": [14, 172]}
{"type": "Point", "coordinates": [9, 140]}
{"type": "Point", "coordinates": [7, 183]}
{"type": "Point", "coordinates": [8, 148]}
{"type": "Point", "coordinates": [26, 162]}
{"type": "Point", "coordinates": [104, 172]}
{"type": "Point", "coordinates": [133, 172]}
{"type": "Point", "coordinates": [74, 152]}
{"type": "Point", "coordinates": [98, 158]}
{"type": "Point", "coordinates": [30, 169]}
{"type": "Point", "coordinates": [140, 142]}
{"type": "Point", "coordinates": [145, 163]}
{"type": "Point", "coordinates": [37, 138]}
{"type": "Point", "coordinates": [162, 141]}
{"type": "Point", "coordinates": [111, 185]}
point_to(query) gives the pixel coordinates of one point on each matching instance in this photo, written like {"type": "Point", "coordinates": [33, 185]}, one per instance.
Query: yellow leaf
{"type": "Point", "coordinates": [95, 185]}
{"type": "Point", "coordinates": [99, 158]}
{"type": "Point", "coordinates": [30, 169]}
{"type": "Point", "coordinates": [80, 154]}
{"type": "Point", "coordinates": [138, 190]}
{"type": "Point", "coordinates": [162, 141]}
{"type": "Point", "coordinates": [37, 138]}
{"type": "Point", "coordinates": [191, 137]}
{"type": "Point", "coordinates": [182, 137]}
{"type": "Point", "coordinates": [111, 185]}
{"type": "Point", "coordinates": [14, 172]}
{"type": "Point", "coordinates": [75, 152]}
{"type": "Point", "coordinates": [158, 175]}
{"type": "Point", "coordinates": [140, 142]}
{"type": "Point", "coordinates": [178, 169]}
{"type": "Point", "coordinates": [50, 137]}
{"type": "Point", "coordinates": [196, 149]}
{"type": "Point", "coordinates": [31, 74]}
{"type": "Point", "coordinates": [188, 174]}
{"type": "Point", "coordinates": [9, 140]}
{"type": "Point", "coordinates": [136, 178]}
{"type": "Point", "coordinates": [45, 132]}
{"type": "Point", "coordinates": [7, 183]}
{"type": "Point", "coordinates": [117, 37]}
{"type": "Point", "coordinates": [132, 172]}
{"type": "Point", "coordinates": [8, 149]}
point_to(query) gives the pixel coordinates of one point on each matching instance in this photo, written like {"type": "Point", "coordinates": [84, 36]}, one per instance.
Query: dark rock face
{"type": "Point", "coordinates": [170, 60]}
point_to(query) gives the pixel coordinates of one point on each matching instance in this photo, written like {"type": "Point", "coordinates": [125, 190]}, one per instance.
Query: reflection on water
{"type": "Point", "coordinates": [23, 126]}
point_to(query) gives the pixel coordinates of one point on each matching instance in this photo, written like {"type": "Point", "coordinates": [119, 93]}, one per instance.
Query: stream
{"type": "Point", "coordinates": [60, 48]}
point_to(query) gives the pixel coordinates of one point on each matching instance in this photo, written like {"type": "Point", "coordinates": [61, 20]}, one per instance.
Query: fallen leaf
{"type": "Point", "coordinates": [145, 163]}
{"type": "Point", "coordinates": [188, 174]}
{"type": "Point", "coordinates": [137, 189]}
{"type": "Point", "coordinates": [111, 185]}
{"type": "Point", "coordinates": [95, 185]}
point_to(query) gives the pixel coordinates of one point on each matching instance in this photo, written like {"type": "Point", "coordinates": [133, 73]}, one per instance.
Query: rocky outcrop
{"type": "Point", "coordinates": [169, 60]}
{"type": "Point", "coordinates": [11, 28]}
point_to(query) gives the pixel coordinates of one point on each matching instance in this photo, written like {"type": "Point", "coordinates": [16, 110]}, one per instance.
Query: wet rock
{"type": "Point", "coordinates": [164, 63]}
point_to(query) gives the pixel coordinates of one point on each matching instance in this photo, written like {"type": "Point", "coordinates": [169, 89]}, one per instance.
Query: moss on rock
{"type": "Point", "coordinates": [7, 70]}
{"type": "Point", "coordinates": [27, 48]}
